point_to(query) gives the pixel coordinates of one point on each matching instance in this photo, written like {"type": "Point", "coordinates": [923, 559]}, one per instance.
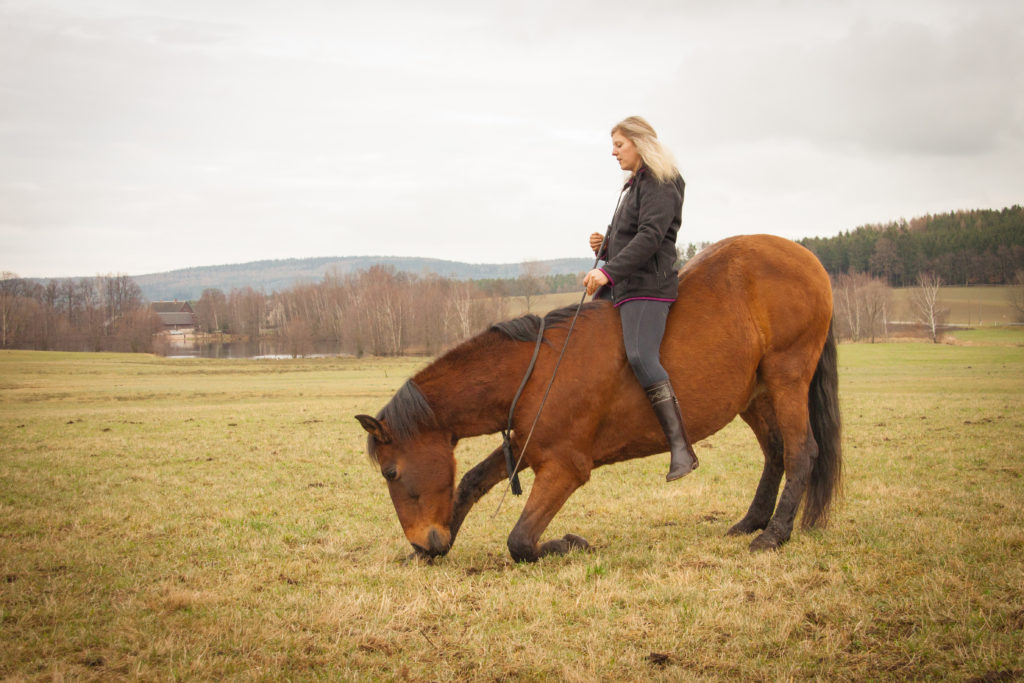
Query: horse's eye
{"type": "Point", "coordinates": [390, 474]}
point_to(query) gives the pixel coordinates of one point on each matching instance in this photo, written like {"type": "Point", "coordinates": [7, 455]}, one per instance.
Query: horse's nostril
{"type": "Point", "coordinates": [437, 546]}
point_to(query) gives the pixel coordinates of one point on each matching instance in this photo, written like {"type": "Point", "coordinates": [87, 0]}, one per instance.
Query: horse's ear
{"type": "Point", "coordinates": [374, 428]}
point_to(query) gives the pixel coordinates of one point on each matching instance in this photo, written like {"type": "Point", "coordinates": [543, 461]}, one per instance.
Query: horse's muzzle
{"type": "Point", "coordinates": [436, 545]}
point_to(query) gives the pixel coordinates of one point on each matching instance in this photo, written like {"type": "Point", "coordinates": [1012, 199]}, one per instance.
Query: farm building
{"type": "Point", "coordinates": [175, 315]}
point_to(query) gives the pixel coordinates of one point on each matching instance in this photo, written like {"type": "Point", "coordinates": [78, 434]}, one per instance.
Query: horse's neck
{"type": "Point", "coordinates": [471, 388]}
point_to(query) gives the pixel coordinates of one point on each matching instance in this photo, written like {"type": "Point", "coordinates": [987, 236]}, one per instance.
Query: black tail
{"type": "Point", "coordinates": [827, 425]}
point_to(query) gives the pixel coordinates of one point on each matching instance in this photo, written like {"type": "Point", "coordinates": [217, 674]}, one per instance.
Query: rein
{"type": "Point", "coordinates": [506, 434]}
{"type": "Point", "coordinates": [513, 467]}
{"type": "Point", "coordinates": [512, 464]}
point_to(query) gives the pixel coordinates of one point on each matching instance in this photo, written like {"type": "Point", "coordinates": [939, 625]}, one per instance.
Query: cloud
{"type": "Point", "coordinates": [229, 131]}
{"type": "Point", "coordinates": [894, 87]}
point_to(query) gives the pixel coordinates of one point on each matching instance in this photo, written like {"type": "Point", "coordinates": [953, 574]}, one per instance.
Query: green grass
{"type": "Point", "coordinates": [1001, 336]}
{"type": "Point", "coordinates": [977, 306]}
{"type": "Point", "coordinates": [205, 519]}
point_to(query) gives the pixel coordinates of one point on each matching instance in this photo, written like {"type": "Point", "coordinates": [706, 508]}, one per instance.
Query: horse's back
{"type": "Point", "coordinates": [780, 286]}
{"type": "Point", "coordinates": [747, 305]}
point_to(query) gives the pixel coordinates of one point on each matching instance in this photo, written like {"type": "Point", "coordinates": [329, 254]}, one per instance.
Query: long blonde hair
{"type": "Point", "coordinates": [655, 155]}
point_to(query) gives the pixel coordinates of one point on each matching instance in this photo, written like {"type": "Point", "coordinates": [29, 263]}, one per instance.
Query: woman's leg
{"type": "Point", "coordinates": [643, 326]}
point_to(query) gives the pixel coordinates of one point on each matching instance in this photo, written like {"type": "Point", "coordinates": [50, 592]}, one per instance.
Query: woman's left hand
{"type": "Point", "coordinates": [594, 280]}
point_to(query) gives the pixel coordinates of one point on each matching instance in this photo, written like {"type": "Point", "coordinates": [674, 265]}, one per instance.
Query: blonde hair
{"type": "Point", "coordinates": [655, 155]}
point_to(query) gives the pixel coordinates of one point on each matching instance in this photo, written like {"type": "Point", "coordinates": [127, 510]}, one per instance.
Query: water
{"type": "Point", "coordinates": [262, 349]}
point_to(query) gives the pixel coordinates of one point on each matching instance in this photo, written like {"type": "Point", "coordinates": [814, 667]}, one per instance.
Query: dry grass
{"type": "Point", "coordinates": [218, 519]}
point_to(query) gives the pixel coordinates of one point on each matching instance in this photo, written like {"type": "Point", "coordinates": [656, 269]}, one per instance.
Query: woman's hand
{"type": "Point", "coordinates": [594, 280]}
{"type": "Point", "coordinates": [596, 239]}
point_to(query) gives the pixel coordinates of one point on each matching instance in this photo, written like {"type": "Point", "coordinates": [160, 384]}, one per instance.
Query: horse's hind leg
{"type": "Point", "coordinates": [799, 451]}
{"type": "Point", "coordinates": [761, 418]}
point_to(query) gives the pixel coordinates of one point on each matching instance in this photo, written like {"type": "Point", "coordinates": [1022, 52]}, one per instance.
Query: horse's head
{"type": "Point", "coordinates": [417, 461]}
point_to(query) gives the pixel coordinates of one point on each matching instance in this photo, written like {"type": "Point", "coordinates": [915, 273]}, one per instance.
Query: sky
{"type": "Point", "coordinates": [140, 136]}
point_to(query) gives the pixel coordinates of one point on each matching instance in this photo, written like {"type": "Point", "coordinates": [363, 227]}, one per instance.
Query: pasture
{"type": "Point", "coordinates": [208, 519]}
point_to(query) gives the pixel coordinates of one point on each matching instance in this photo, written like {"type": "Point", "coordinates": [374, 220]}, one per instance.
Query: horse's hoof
{"type": "Point", "coordinates": [576, 542]}
{"type": "Point", "coordinates": [563, 545]}
{"type": "Point", "coordinates": [743, 527]}
{"type": "Point", "coordinates": [765, 541]}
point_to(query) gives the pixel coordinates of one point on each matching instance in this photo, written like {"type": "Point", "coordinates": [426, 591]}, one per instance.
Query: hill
{"type": "Point", "coordinates": [278, 275]}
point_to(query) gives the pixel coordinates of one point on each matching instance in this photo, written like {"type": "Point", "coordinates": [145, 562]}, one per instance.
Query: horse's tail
{"type": "Point", "coordinates": [826, 424]}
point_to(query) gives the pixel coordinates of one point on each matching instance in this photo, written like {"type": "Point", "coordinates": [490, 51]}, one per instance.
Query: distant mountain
{"type": "Point", "coordinates": [278, 275]}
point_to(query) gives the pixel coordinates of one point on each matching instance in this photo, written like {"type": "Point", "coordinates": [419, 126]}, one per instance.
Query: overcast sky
{"type": "Point", "coordinates": [138, 136]}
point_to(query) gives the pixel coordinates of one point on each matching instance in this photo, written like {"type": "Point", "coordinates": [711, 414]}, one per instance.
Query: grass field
{"type": "Point", "coordinates": [206, 519]}
{"type": "Point", "coordinates": [976, 306]}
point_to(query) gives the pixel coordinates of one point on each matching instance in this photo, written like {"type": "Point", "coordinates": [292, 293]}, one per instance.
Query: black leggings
{"type": "Point", "coordinates": [643, 326]}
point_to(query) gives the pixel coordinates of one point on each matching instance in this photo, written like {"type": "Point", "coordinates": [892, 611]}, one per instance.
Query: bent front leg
{"type": "Point", "coordinates": [551, 488]}
{"type": "Point", "coordinates": [474, 484]}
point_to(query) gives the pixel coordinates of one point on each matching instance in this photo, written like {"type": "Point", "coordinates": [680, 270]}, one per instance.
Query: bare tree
{"type": "Point", "coordinates": [925, 301]}
{"type": "Point", "coordinates": [212, 311]}
{"type": "Point", "coordinates": [531, 281]}
{"type": "Point", "coordinates": [248, 309]}
{"type": "Point", "coordinates": [383, 310]}
{"type": "Point", "coordinates": [297, 336]}
{"type": "Point", "coordinates": [875, 300]}
{"type": "Point", "coordinates": [458, 311]}
{"type": "Point", "coordinates": [848, 309]}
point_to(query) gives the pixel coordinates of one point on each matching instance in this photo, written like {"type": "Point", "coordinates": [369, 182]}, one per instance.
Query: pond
{"type": "Point", "coordinates": [261, 349]}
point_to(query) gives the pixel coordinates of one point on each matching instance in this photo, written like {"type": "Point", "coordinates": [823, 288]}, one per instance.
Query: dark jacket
{"type": "Point", "coordinates": [640, 250]}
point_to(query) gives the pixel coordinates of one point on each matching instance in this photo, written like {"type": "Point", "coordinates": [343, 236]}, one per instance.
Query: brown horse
{"type": "Point", "coordinates": [750, 335]}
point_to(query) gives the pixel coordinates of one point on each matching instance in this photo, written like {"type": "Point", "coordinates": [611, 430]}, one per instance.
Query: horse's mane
{"type": "Point", "coordinates": [405, 413]}
{"type": "Point", "coordinates": [408, 410]}
{"type": "Point", "coordinates": [525, 328]}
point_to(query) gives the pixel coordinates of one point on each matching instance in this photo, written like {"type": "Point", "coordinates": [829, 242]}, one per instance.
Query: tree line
{"type": "Point", "coordinates": [103, 313]}
{"type": "Point", "coordinates": [962, 248]}
{"type": "Point", "coordinates": [382, 311]}
{"type": "Point", "coordinates": [379, 311]}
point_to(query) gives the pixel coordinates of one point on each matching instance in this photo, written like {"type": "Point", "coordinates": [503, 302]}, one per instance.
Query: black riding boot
{"type": "Point", "coordinates": [666, 407]}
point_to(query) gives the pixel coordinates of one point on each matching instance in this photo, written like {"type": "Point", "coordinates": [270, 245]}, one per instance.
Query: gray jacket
{"type": "Point", "coordinates": [640, 249]}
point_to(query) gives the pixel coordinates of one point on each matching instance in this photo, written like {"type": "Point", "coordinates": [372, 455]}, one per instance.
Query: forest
{"type": "Point", "coordinates": [386, 312]}
{"type": "Point", "coordinates": [961, 248]}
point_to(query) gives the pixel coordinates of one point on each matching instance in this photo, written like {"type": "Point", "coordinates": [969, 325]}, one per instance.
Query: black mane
{"type": "Point", "coordinates": [404, 414]}
{"type": "Point", "coordinates": [408, 410]}
{"type": "Point", "coordinates": [526, 327]}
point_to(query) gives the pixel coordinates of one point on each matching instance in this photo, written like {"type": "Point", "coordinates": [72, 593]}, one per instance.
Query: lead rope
{"type": "Point", "coordinates": [506, 446]}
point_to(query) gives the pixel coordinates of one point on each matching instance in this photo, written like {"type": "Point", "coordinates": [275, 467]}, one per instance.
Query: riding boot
{"type": "Point", "coordinates": [666, 407]}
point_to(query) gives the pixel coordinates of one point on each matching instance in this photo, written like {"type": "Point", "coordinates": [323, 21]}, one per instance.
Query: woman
{"type": "Point", "coordinates": [639, 277]}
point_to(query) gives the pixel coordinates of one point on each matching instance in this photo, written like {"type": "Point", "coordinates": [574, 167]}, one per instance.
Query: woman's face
{"type": "Point", "coordinates": [625, 152]}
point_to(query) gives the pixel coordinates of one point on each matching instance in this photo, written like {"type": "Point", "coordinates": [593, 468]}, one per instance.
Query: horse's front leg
{"type": "Point", "coordinates": [552, 486]}
{"type": "Point", "coordinates": [474, 484]}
